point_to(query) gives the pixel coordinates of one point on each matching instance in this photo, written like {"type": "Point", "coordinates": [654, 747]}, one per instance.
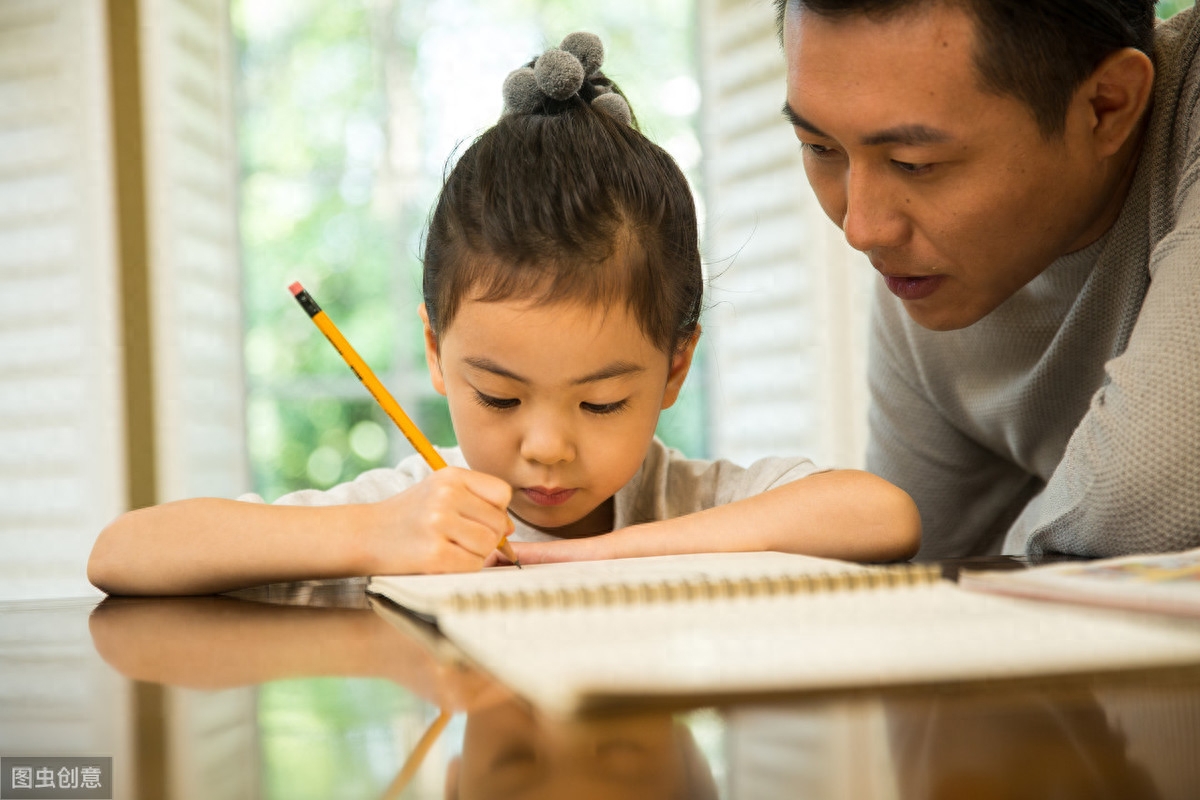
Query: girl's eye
{"type": "Point", "coordinates": [604, 408]}
{"type": "Point", "coordinates": [499, 403]}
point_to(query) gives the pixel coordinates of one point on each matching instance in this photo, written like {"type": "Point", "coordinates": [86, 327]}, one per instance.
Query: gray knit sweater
{"type": "Point", "coordinates": [1068, 419]}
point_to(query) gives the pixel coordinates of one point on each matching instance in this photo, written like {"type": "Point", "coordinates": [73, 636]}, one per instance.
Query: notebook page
{"type": "Point", "coordinates": [428, 594]}
{"type": "Point", "coordinates": [564, 659]}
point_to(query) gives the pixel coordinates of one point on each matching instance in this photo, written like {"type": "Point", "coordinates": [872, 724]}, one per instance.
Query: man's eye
{"type": "Point", "coordinates": [913, 169]}
{"type": "Point", "coordinates": [487, 401]}
{"type": "Point", "coordinates": [604, 408]}
{"type": "Point", "coordinates": [818, 150]}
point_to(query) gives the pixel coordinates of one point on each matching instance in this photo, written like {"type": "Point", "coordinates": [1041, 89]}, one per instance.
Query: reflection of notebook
{"type": "Point", "coordinates": [686, 628]}
{"type": "Point", "coordinates": [420, 630]}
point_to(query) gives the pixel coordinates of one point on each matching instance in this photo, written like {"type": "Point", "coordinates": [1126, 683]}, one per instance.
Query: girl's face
{"type": "Point", "coordinates": [509, 752]}
{"type": "Point", "coordinates": [559, 400]}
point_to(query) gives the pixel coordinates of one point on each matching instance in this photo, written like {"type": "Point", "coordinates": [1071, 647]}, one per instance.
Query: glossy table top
{"type": "Point", "coordinates": [305, 692]}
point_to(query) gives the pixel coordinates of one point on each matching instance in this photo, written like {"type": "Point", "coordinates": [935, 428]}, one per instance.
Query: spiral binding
{"type": "Point", "coordinates": [683, 590]}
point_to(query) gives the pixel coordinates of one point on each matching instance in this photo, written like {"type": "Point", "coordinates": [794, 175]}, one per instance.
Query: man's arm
{"type": "Point", "coordinates": [1129, 480]}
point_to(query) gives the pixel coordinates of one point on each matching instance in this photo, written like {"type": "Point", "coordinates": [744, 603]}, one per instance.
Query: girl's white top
{"type": "Point", "coordinates": [667, 485]}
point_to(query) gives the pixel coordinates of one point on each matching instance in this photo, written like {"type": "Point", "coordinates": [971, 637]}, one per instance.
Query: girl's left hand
{"type": "Point", "coordinates": [590, 549]}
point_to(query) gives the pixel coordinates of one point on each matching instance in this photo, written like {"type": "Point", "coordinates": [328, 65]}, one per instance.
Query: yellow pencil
{"type": "Point", "coordinates": [379, 392]}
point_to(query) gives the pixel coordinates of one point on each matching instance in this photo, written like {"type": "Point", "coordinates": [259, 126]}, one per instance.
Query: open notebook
{"type": "Point", "coordinates": [588, 635]}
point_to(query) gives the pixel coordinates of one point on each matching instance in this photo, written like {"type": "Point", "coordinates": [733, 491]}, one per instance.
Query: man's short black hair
{"type": "Point", "coordinates": [1038, 51]}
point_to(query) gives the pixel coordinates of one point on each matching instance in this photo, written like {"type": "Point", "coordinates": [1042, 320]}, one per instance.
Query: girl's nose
{"type": "Point", "coordinates": [548, 442]}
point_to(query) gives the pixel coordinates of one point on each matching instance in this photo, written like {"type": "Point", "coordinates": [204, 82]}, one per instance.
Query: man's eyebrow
{"type": "Point", "coordinates": [798, 121]}
{"type": "Point", "coordinates": [616, 369]}
{"type": "Point", "coordinates": [901, 134]}
{"type": "Point", "coordinates": [908, 134]}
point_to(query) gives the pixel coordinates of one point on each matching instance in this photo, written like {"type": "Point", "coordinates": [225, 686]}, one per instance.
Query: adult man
{"type": "Point", "coordinates": [1024, 175]}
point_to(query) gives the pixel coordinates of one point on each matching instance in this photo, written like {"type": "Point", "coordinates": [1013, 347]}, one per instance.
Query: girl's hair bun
{"type": "Point", "coordinates": [614, 105]}
{"type": "Point", "coordinates": [586, 47]}
{"type": "Point", "coordinates": [521, 92]}
{"type": "Point", "coordinates": [559, 74]}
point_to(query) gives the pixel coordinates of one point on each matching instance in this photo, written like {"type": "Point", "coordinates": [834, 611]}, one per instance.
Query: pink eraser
{"type": "Point", "coordinates": [296, 288]}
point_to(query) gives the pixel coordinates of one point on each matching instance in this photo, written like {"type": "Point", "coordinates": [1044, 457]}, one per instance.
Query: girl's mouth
{"type": "Point", "coordinates": [542, 496]}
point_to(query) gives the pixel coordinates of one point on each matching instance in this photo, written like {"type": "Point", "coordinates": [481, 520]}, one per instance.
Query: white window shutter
{"type": "Point", "coordinates": [789, 303]}
{"type": "Point", "coordinates": [194, 268]}
{"type": "Point", "coordinates": [62, 462]}
{"type": "Point", "coordinates": [69, 366]}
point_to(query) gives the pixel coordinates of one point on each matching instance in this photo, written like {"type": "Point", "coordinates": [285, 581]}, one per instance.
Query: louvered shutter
{"type": "Point", "coordinates": [195, 278]}
{"type": "Point", "coordinates": [62, 464]}
{"type": "Point", "coordinates": [789, 304]}
{"type": "Point", "coordinates": [87, 420]}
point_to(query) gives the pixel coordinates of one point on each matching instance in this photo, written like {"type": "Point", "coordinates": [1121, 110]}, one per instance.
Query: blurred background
{"type": "Point", "coordinates": [168, 167]}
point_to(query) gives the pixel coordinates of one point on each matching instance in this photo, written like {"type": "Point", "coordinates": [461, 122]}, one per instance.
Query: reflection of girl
{"type": "Point", "coordinates": [509, 753]}
{"type": "Point", "coordinates": [562, 294]}
{"type": "Point", "coordinates": [222, 642]}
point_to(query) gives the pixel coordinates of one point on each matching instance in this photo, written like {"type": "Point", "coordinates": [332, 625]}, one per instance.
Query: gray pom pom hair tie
{"type": "Point", "coordinates": [559, 74]}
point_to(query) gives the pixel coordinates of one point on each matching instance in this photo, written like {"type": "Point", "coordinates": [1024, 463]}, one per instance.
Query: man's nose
{"type": "Point", "coordinates": [873, 217]}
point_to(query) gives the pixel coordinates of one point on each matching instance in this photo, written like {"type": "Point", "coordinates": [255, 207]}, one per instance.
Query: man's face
{"type": "Point", "coordinates": [952, 192]}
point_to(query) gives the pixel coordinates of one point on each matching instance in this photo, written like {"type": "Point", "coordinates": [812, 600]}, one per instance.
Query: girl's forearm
{"type": "Point", "coordinates": [210, 545]}
{"type": "Point", "coordinates": [843, 514]}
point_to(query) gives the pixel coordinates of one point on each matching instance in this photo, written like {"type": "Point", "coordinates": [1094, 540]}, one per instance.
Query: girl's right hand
{"type": "Point", "coordinates": [449, 522]}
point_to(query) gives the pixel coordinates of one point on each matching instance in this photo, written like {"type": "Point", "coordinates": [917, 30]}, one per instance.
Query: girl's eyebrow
{"type": "Point", "coordinates": [616, 369]}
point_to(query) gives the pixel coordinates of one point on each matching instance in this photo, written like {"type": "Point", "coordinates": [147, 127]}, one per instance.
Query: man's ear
{"type": "Point", "coordinates": [1115, 98]}
{"type": "Point", "coordinates": [432, 358]}
{"type": "Point", "coordinates": [681, 362]}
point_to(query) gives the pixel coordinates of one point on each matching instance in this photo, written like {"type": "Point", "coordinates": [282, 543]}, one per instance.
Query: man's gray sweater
{"type": "Point", "coordinates": [1068, 419]}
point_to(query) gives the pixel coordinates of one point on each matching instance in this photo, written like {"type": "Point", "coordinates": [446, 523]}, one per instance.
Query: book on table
{"type": "Point", "coordinates": [673, 629]}
{"type": "Point", "coordinates": [1168, 583]}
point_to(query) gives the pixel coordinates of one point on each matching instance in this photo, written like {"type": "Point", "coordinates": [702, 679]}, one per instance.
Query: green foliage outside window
{"type": "Point", "coordinates": [1167, 8]}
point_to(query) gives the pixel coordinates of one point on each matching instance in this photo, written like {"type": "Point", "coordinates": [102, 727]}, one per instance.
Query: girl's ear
{"type": "Point", "coordinates": [681, 362]}
{"type": "Point", "coordinates": [432, 358]}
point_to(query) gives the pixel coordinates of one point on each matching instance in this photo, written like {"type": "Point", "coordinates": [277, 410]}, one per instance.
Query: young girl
{"type": "Point", "coordinates": [562, 291]}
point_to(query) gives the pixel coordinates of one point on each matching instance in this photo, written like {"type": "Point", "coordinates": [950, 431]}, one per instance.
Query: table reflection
{"type": "Point", "coordinates": [330, 697]}
{"type": "Point", "coordinates": [1011, 745]}
{"type": "Point", "coordinates": [504, 748]}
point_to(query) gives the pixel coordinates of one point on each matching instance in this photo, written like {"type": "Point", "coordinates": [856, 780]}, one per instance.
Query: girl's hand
{"type": "Point", "coordinates": [449, 522]}
{"type": "Point", "coordinates": [593, 548]}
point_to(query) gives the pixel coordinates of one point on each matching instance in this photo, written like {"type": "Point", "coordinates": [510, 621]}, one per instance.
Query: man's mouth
{"type": "Point", "coordinates": [913, 287]}
{"type": "Point", "coordinates": [542, 496]}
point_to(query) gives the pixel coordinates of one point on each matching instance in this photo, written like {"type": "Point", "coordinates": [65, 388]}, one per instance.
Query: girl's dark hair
{"type": "Point", "coordinates": [567, 204]}
{"type": "Point", "coordinates": [1038, 51]}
